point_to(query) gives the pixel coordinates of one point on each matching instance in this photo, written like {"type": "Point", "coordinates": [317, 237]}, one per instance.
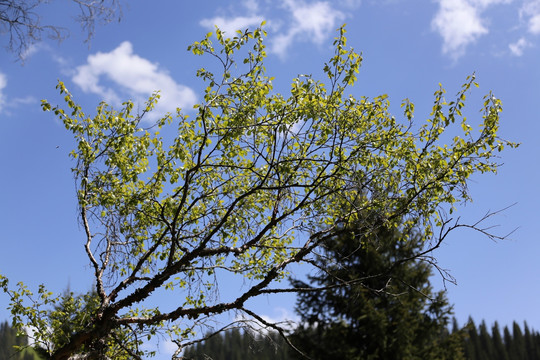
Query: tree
{"type": "Point", "coordinates": [473, 348]}
{"type": "Point", "coordinates": [486, 342]}
{"type": "Point", "coordinates": [377, 301]}
{"type": "Point", "coordinates": [20, 20]}
{"type": "Point", "coordinates": [10, 344]}
{"type": "Point", "coordinates": [252, 183]}
{"type": "Point", "coordinates": [247, 345]}
{"type": "Point", "coordinates": [508, 340]}
{"type": "Point", "coordinates": [518, 345]}
{"type": "Point", "coordinates": [498, 343]}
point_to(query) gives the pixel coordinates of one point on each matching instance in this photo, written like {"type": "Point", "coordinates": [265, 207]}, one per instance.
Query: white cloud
{"type": "Point", "coordinates": [312, 22]}
{"type": "Point", "coordinates": [518, 47]}
{"type": "Point", "coordinates": [302, 21]}
{"type": "Point", "coordinates": [534, 24]}
{"type": "Point", "coordinates": [529, 14]}
{"type": "Point", "coordinates": [31, 50]}
{"type": "Point", "coordinates": [5, 105]}
{"type": "Point", "coordinates": [283, 317]}
{"type": "Point", "coordinates": [162, 345]}
{"type": "Point", "coordinates": [133, 76]}
{"type": "Point", "coordinates": [3, 84]}
{"type": "Point", "coordinates": [459, 24]}
{"type": "Point", "coordinates": [168, 347]}
{"type": "Point", "coordinates": [487, 3]}
{"type": "Point", "coordinates": [230, 25]}
{"type": "Point", "coordinates": [531, 10]}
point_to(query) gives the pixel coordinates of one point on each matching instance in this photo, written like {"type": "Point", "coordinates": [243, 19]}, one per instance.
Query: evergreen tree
{"type": "Point", "coordinates": [387, 310]}
{"type": "Point", "coordinates": [536, 341]}
{"type": "Point", "coordinates": [486, 343]}
{"type": "Point", "coordinates": [518, 344]}
{"type": "Point", "coordinates": [8, 342]}
{"type": "Point", "coordinates": [508, 341]}
{"type": "Point", "coordinates": [529, 344]}
{"type": "Point", "coordinates": [472, 341]}
{"type": "Point", "coordinates": [240, 345]}
{"type": "Point", "coordinates": [498, 344]}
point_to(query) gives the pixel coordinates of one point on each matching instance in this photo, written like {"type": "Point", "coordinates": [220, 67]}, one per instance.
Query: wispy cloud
{"type": "Point", "coordinates": [313, 21]}
{"type": "Point", "coordinates": [133, 76]}
{"type": "Point", "coordinates": [529, 14]}
{"type": "Point", "coordinates": [459, 24]}
{"type": "Point", "coordinates": [519, 46]}
{"type": "Point", "coordinates": [530, 11]}
{"type": "Point", "coordinates": [164, 347]}
{"type": "Point", "coordinates": [231, 24]}
{"type": "Point", "coordinates": [486, 3]}
{"type": "Point", "coordinates": [32, 50]}
{"type": "Point", "coordinates": [251, 5]}
{"type": "Point", "coordinates": [534, 24]}
{"type": "Point", "coordinates": [168, 347]}
{"type": "Point", "coordinates": [282, 316]}
{"type": "Point", "coordinates": [298, 20]}
{"type": "Point", "coordinates": [11, 103]}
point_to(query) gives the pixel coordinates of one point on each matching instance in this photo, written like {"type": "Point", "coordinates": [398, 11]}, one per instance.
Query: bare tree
{"type": "Point", "coordinates": [21, 22]}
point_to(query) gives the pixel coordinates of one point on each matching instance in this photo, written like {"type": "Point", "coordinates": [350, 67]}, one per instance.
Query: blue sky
{"type": "Point", "coordinates": [409, 47]}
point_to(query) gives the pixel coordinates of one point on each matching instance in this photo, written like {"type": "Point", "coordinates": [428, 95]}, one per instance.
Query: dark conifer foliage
{"type": "Point", "coordinates": [515, 344]}
{"type": "Point", "coordinates": [477, 342]}
{"type": "Point", "coordinates": [486, 342]}
{"type": "Point", "coordinates": [240, 345]}
{"type": "Point", "coordinates": [498, 343]}
{"type": "Point", "coordinates": [9, 339]}
{"type": "Point", "coordinates": [387, 310]}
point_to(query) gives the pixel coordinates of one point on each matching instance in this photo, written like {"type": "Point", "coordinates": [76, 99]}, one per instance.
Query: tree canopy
{"type": "Point", "coordinates": [253, 182]}
{"type": "Point", "coordinates": [375, 300]}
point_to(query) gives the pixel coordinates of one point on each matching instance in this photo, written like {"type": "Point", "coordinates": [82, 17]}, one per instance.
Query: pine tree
{"type": "Point", "coordinates": [486, 342]}
{"type": "Point", "coordinates": [518, 344]}
{"type": "Point", "coordinates": [528, 341]}
{"type": "Point", "coordinates": [451, 343]}
{"type": "Point", "coordinates": [389, 312]}
{"type": "Point", "coordinates": [536, 341]}
{"type": "Point", "coordinates": [240, 345]}
{"type": "Point", "coordinates": [508, 341]}
{"type": "Point", "coordinates": [472, 347]}
{"type": "Point", "coordinates": [8, 341]}
{"type": "Point", "coordinates": [498, 344]}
